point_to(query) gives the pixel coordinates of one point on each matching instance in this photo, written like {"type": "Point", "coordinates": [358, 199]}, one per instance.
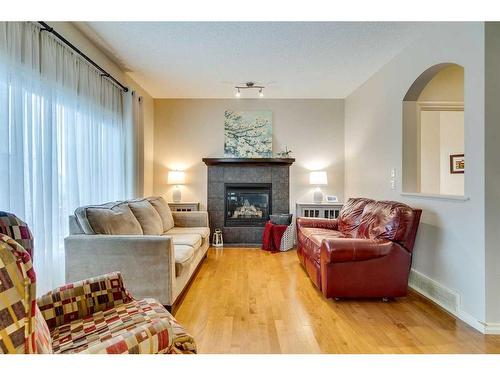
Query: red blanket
{"type": "Point", "coordinates": [271, 239]}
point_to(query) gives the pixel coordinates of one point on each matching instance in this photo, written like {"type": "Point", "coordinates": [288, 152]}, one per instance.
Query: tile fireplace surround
{"type": "Point", "coordinates": [222, 171]}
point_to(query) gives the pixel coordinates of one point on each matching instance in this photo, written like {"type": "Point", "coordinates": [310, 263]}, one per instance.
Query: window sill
{"type": "Point", "coordinates": [460, 198]}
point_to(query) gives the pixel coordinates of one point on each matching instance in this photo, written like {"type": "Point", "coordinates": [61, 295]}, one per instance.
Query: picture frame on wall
{"type": "Point", "coordinates": [457, 163]}
{"type": "Point", "coordinates": [248, 134]}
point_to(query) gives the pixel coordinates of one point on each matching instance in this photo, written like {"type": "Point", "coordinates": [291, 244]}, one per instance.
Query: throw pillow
{"type": "Point", "coordinates": [164, 211]}
{"type": "Point", "coordinates": [147, 216]}
{"type": "Point", "coordinates": [281, 219]}
{"type": "Point", "coordinates": [113, 219]}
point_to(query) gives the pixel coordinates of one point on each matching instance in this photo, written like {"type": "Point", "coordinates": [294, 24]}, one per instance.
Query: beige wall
{"type": "Point", "coordinates": [430, 158]}
{"type": "Point", "coordinates": [76, 37]}
{"type": "Point", "coordinates": [441, 135]}
{"type": "Point", "coordinates": [186, 130]}
{"type": "Point", "coordinates": [447, 85]}
{"type": "Point", "coordinates": [451, 141]}
{"type": "Point", "coordinates": [450, 242]}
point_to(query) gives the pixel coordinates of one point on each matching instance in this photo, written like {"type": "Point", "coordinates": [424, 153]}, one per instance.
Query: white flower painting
{"type": "Point", "coordinates": [248, 134]}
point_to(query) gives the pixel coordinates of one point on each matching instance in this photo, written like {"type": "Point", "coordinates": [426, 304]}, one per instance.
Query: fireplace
{"type": "Point", "coordinates": [247, 205]}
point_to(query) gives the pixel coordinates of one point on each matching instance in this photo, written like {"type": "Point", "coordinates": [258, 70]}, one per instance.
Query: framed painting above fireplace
{"type": "Point", "coordinates": [248, 134]}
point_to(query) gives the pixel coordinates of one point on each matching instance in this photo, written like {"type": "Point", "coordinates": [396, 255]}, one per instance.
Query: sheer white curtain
{"type": "Point", "coordinates": [62, 140]}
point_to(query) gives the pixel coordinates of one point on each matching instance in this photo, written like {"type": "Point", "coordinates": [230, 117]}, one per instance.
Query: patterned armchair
{"type": "Point", "coordinates": [18, 230]}
{"type": "Point", "coordinates": [91, 316]}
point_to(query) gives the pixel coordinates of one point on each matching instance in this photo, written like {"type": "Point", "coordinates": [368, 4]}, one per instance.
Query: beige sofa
{"type": "Point", "coordinates": [156, 250]}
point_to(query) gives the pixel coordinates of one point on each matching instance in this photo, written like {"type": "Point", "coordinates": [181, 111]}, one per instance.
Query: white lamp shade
{"type": "Point", "coordinates": [318, 178]}
{"type": "Point", "coordinates": [176, 178]}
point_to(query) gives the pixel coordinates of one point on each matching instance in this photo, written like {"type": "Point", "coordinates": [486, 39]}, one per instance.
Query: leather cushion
{"type": "Point", "coordinates": [311, 239]}
{"type": "Point", "coordinates": [350, 215]}
{"type": "Point", "coordinates": [164, 211]}
{"type": "Point", "coordinates": [147, 216]}
{"type": "Point", "coordinates": [386, 220]}
{"type": "Point", "coordinates": [318, 234]}
{"type": "Point", "coordinates": [109, 218]}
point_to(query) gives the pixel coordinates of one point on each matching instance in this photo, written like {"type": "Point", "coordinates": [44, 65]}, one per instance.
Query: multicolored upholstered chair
{"type": "Point", "coordinates": [18, 230]}
{"type": "Point", "coordinates": [91, 316]}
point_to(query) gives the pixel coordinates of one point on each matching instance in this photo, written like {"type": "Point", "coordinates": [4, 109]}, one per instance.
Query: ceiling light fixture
{"type": "Point", "coordinates": [249, 85]}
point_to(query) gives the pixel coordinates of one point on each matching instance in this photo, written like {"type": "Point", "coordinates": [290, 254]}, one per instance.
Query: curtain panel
{"type": "Point", "coordinates": [63, 140]}
{"type": "Point", "coordinates": [134, 116]}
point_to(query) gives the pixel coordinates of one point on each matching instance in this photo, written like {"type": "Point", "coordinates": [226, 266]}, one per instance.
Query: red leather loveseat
{"type": "Point", "coordinates": [366, 252]}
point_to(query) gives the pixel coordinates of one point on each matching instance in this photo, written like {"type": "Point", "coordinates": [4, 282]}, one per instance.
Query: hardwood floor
{"type": "Point", "coordinates": [252, 301]}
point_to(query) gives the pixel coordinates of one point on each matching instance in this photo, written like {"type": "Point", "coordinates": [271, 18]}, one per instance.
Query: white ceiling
{"type": "Point", "coordinates": [293, 59]}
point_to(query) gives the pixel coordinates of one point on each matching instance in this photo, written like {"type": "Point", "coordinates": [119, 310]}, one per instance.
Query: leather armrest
{"type": "Point", "coordinates": [310, 222]}
{"type": "Point", "coordinates": [337, 250]}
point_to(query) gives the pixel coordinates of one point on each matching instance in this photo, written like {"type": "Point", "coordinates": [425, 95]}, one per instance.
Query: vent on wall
{"type": "Point", "coordinates": [444, 297]}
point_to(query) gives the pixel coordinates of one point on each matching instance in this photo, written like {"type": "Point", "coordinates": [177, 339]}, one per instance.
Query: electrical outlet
{"type": "Point", "coordinates": [393, 179]}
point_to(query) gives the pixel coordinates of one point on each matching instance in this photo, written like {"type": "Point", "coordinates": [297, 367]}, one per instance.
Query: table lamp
{"type": "Point", "coordinates": [318, 178]}
{"type": "Point", "coordinates": [176, 178]}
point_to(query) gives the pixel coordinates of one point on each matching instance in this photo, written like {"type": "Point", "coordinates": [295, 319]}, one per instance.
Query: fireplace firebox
{"type": "Point", "coordinates": [247, 205]}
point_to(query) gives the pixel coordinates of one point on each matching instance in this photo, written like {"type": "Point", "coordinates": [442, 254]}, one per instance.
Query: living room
{"type": "Point", "coordinates": [249, 186]}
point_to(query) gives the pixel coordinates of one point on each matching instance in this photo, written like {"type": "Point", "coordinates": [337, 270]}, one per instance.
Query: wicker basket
{"type": "Point", "coordinates": [288, 239]}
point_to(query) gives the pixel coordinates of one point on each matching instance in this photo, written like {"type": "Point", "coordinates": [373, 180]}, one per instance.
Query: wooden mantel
{"type": "Point", "coordinates": [248, 161]}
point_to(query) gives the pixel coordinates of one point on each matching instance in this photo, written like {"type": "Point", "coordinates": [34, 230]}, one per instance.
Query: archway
{"type": "Point", "coordinates": [433, 132]}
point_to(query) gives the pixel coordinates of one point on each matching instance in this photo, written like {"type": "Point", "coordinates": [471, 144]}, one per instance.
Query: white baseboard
{"type": "Point", "coordinates": [449, 300]}
{"type": "Point", "coordinates": [470, 320]}
{"type": "Point", "coordinates": [492, 328]}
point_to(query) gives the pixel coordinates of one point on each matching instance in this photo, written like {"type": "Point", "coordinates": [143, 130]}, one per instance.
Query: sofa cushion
{"type": "Point", "coordinates": [183, 255]}
{"type": "Point", "coordinates": [386, 220]}
{"type": "Point", "coordinates": [350, 215]}
{"type": "Point", "coordinates": [193, 240]}
{"type": "Point", "coordinates": [136, 327]}
{"type": "Point", "coordinates": [204, 232]}
{"type": "Point", "coordinates": [311, 239]}
{"type": "Point", "coordinates": [317, 234]}
{"type": "Point", "coordinates": [147, 216]}
{"type": "Point", "coordinates": [164, 211]}
{"type": "Point", "coordinates": [108, 218]}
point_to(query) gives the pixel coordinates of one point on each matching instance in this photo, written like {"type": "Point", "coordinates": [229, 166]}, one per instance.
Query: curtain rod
{"type": "Point", "coordinates": [105, 74]}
